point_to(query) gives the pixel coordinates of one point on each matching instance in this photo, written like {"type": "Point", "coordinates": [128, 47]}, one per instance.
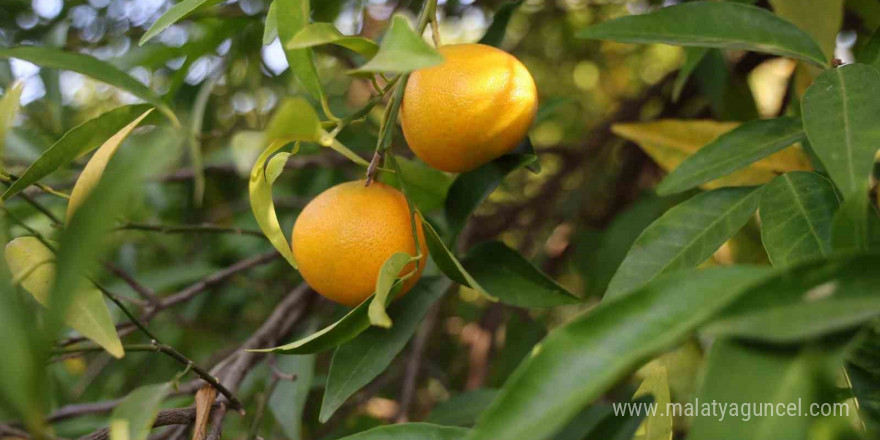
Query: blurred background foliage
{"type": "Point", "coordinates": [576, 219]}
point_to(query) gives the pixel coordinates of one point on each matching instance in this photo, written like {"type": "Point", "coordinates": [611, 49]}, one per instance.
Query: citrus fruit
{"type": "Point", "coordinates": [475, 107]}
{"type": "Point", "coordinates": [345, 234]}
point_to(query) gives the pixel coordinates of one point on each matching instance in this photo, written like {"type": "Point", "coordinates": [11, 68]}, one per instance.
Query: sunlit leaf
{"type": "Point", "coordinates": [270, 31]}
{"type": "Point", "coordinates": [505, 274]}
{"type": "Point", "coordinates": [495, 34]}
{"type": "Point", "coordinates": [75, 143]}
{"type": "Point", "coordinates": [288, 402]}
{"type": "Point", "coordinates": [176, 13]}
{"type": "Point", "coordinates": [723, 25]}
{"type": "Point", "coordinates": [805, 301]}
{"type": "Point", "coordinates": [94, 169]}
{"type": "Point", "coordinates": [733, 150]}
{"type": "Point", "coordinates": [291, 17]}
{"type": "Point", "coordinates": [388, 274]}
{"type": "Point", "coordinates": [317, 34]}
{"type": "Point", "coordinates": [685, 236]}
{"type": "Point", "coordinates": [33, 266]}
{"type": "Point", "coordinates": [8, 108]}
{"type": "Point", "coordinates": [448, 263]}
{"type": "Point", "coordinates": [839, 113]}
{"type": "Point", "coordinates": [401, 51]}
{"type": "Point", "coordinates": [358, 361]}
{"type": "Point", "coordinates": [137, 412]}
{"type": "Point", "coordinates": [341, 331]}
{"type": "Point", "coordinates": [579, 361]}
{"type": "Point", "coordinates": [91, 67]}
{"type": "Point", "coordinates": [410, 431]}
{"type": "Point", "coordinates": [671, 142]}
{"type": "Point", "coordinates": [796, 211]}
{"type": "Point", "coordinates": [295, 120]}
{"type": "Point", "coordinates": [655, 426]}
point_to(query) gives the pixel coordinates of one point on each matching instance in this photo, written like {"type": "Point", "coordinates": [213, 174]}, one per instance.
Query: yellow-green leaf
{"type": "Point", "coordinates": [133, 418]}
{"type": "Point", "coordinates": [94, 169]}
{"type": "Point", "coordinates": [33, 265]}
{"type": "Point", "coordinates": [388, 274]}
{"type": "Point", "coordinates": [317, 34]}
{"type": "Point", "coordinates": [8, 108]}
{"type": "Point", "coordinates": [659, 425]}
{"type": "Point", "coordinates": [669, 142]}
{"type": "Point", "coordinates": [402, 50]}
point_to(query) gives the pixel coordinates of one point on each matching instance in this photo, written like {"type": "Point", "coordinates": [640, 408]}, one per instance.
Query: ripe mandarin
{"type": "Point", "coordinates": [345, 234]}
{"type": "Point", "coordinates": [473, 108]}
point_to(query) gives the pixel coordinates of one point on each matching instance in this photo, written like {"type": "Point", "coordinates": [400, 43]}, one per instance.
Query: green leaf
{"type": "Point", "coordinates": [388, 274]}
{"type": "Point", "coordinates": [655, 426]}
{"type": "Point", "coordinates": [735, 149]}
{"type": "Point", "coordinates": [270, 31]}
{"type": "Point", "coordinates": [401, 51]}
{"type": "Point", "coordinates": [133, 418]}
{"type": "Point", "coordinates": [469, 189]}
{"type": "Point", "coordinates": [8, 108]}
{"type": "Point", "coordinates": [495, 34]}
{"type": "Point", "coordinates": [856, 225]}
{"type": "Point", "coordinates": [819, 18]}
{"type": "Point", "coordinates": [839, 113]}
{"type": "Point", "coordinates": [411, 431]}
{"type": "Point", "coordinates": [462, 409]}
{"type": "Point", "coordinates": [870, 52]}
{"type": "Point", "coordinates": [722, 25]}
{"type": "Point", "coordinates": [358, 361]}
{"type": "Point", "coordinates": [448, 264]}
{"type": "Point", "coordinates": [200, 105]}
{"type": "Point", "coordinates": [805, 301]}
{"type": "Point", "coordinates": [341, 331]}
{"type": "Point", "coordinates": [764, 375]}
{"type": "Point", "coordinates": [295, 120]}
{"type": "Point", "coordinates": [75, 143]}
{"type": "Point", "coordinates": [692, 58]}
{"type": "Point", "coordinates": [796, 211]}
{"type": "Point", "coordinates": [94, 169]}
{"type": "Point", "coordinates": [507, 275]}
{"type": "Point", "coordinates": [579, 361]}
{"type": "Point", "coordinates": [91, 67]}
{"type": "Point", "coordinates": [317, 34]}
{"type": "Point", "coordinates": [291, 17]}
{"type": "Point", "coordinates": [685, 236]}
{"type": "Point", "coordinates": [426, 187]}
{"type": "Point", "coordinates": [173, 15]}
{"type": "Point", "coordinates": [288, 402]}
{"type": "Point", "coordinates": [33, 266]}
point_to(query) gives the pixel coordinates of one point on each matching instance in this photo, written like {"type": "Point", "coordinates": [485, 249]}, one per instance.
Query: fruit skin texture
{"type": "Point", "coordinates": [345, 234]}
{"type": "Point", "coordinates": [476, 106]}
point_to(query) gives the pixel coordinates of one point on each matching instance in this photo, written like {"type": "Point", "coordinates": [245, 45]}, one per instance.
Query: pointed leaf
{"type": "Point", "coordinates": [295, 120]}
{"type": "Point", "coordinates": [8, 108]}
{"type": "Point", "coordinates": [401, 51]}
{"type": "Point", "coordinates": [796, 211]}
{"type": "Point", "coordinates": [819, 18]}
{"type": "Point", "coordinates": [173, 15]}
{"type": "Point", "coordinates": [317, 34]}
{"type": "Point", "coordinates": [75, 143]}
{"type": "Point", "coordinates": [579, 361]}
{"type": "Point", "coordinates": [672, 142]}
{"type": "Point", "coordinates": [805, 301]}
{"type": "Point", "coordinates": [410, 431]}
{"type": "Point", "coordinates": [91, 67]}
{"type": "Point", "coordinates": [94, 169]}
{"type": "Point", "coordinates": [856, 225]}
{"type": "Point", "coordinates": [426, 187]}
{"type": "Point", "coordinates": [270, 31]}
{"type": "Point", "coordinates": [692, 58]}
{"type": "Point", "coordinates": [495, 34]}
{"type": "Point", "coordinates": [388, 274]}
{"type": "Point", "coordinates": [341, 331]}
{"type": "Point", "coordinates": [685, 236]}
{"type": "Point", "coordinates": [655, 426]}
{"type": "Point", "coordinates": [448, 263]}
{"type": "Point", "coordinates": [507, 275]}
{"type": "Point", "coordinates": [870, 52]}
{"type": "Point", "coordinates": [291, 17]}
{"type": "Point", "coordinates": [33, 265]}
{"type": "Point", "coordinates": [288, 402]}
{"type": "Point", "coordinates": [722, 25]}
{"type": "Point", "coordinates": [839, 113]}
{"type": "Point", "coordinates": [137, 412]}
{"type": "Point", "coordinates": [358, 361]}
{"type": "Point", "coordinates": [735, 149]}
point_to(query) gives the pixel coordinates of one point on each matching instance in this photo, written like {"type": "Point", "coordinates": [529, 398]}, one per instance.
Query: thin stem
{"type": "Point", "coordinates": [185, 229]}
{"type": "Point", "coordinates": [11, 178]}
{"type": "Point", "coordinates": [154, 345]}
{"type": "Point", "coordinates": [435, 31]}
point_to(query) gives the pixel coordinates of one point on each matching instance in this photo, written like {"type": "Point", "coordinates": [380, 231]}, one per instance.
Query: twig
{"type": "Point", "coordinates": [144, 291]}
{"type": "Point", "coordinates": [186, 229]}
{"type": "Point", "coordinates": [217, 423]}
{"type": "Point", "coordinates": [261, 407]}
{"type": "Point", "coordinates": [414, 364]}
{"type": "Point", "coordinates": [166, 417]}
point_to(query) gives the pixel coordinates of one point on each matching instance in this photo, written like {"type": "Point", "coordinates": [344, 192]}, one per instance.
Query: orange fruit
{"type": "Point", "coordinates": [473, 108]}
{"type": "Point", "coordinates": [345, 234]}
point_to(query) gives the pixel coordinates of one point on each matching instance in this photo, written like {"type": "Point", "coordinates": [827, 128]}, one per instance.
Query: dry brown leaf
{"type": "Point", "coordinates": [204, 401]}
